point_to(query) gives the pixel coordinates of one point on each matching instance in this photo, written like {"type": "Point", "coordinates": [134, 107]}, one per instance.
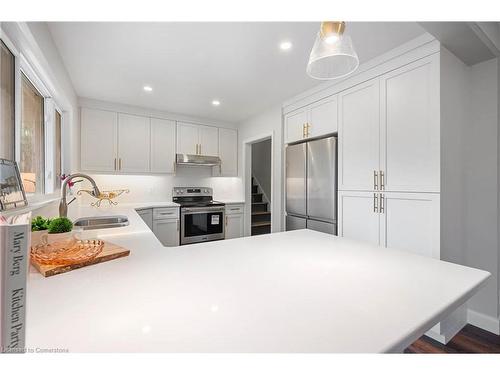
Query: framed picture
{"type": "Point", "coordinates": [12, 193]}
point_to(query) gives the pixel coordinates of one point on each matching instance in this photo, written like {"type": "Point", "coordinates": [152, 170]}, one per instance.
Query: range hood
{"type": "Point", "coordinates": [201, 160]}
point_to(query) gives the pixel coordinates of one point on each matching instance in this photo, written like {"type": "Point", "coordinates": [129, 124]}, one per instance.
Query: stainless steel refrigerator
{"type": "Point", "coordinates": [311, 185]}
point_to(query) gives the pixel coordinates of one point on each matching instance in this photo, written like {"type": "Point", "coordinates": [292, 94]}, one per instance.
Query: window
{"type": "Point", "coordinates": [58, 154]}
{"type": "Point", "coordinates": [32, 143]}
{"type": "Point", "coordinates": [7, 94]}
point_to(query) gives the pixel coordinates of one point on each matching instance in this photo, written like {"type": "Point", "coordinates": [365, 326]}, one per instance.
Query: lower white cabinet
{"type": "Point", "coordinates": [411, 222]}
{"type": "Point", "coordinates": [358, 217]}
{"type": "Point", "coordinates": [147, 216]}
{"type": "Point", "coordinates": [234, 221]}
{"type": "Point", "coordinates": [166, 225]}
{"type": "Point", "coordinates": [405, 221]}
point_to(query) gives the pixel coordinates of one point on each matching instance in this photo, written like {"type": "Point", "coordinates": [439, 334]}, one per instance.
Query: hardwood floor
{"type": "Point", "coordinates": [469, 340]}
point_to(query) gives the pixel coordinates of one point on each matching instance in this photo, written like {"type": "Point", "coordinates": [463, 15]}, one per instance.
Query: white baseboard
{"type": "Point", "coordinates": [483, 321]}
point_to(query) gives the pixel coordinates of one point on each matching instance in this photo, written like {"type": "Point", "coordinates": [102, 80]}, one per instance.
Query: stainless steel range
{"type": "Point", "coordinates": [202, 218]}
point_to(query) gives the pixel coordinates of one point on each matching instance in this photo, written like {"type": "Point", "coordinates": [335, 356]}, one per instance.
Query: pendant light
{"type": "Point", "coordinates": [332, 55]}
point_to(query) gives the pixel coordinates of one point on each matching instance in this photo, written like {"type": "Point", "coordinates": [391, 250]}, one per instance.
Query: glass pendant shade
{"type": "Point", "coordinates": [332, 57]}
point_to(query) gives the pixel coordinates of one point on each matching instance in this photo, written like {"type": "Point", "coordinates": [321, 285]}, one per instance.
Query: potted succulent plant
{"type": "Point", "coordinates": [39, 226]}
{"type": "Point", "coordinates": [59, 233]}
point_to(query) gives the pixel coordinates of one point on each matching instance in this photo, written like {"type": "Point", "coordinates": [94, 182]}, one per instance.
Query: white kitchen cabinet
{"type": "Point", "coordinates": [133, 143]}
{"type": "Point", "coordinates": [294, 125]}
{"type": "Point", "coordinates": [146, 215]}
{"type": "Point", "coordinates": [234, 221]}
{"type": "Point", "coordinates": [162, 146]}
{"type": "Point", "coordinates": [359, 136]}
{"type": "Point", "coordinates": [314, 120]}
{"type": "Point", "coordinates": [167, 231]}
{"type": "Point", "coordinates": [209, 140]}
{"type": "Point", "coordinates": [228, 152]}
{"type": "Point", "coordinates": [197, 139]}
{"type": "Point", "coordinates": [322, 117]}
{"type": "Point", "coordinates": [410, 139]}
{"type": "Point", "coordinates": [187, 138]}
{"type": "Point", "coordinates": [410, 221]}
{"type": "Point", "coordinates": [99, 134]}
{"type": "Point", "coordinates": [358, 216]}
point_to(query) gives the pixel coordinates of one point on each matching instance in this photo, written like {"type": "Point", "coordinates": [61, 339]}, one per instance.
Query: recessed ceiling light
{"type": "Point", "coordinates": [215, 103]}
{"type": "Point", "coordinates": [285, 45]}
{"type": "Point", "coordinates": [147, 88]}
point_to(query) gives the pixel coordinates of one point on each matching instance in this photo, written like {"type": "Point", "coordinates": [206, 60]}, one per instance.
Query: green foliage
{"type": "Point", "coordinates": [60, 225]}
{"type": "Point", "coordinates": [40, 223]}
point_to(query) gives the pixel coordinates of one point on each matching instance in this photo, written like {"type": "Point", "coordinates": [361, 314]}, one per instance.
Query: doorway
{"type": "Point", "coordinates": [258, 185]}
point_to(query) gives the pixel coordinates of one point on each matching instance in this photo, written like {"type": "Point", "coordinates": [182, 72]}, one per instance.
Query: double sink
{"type": "Point", "coordinates": [101, 222]}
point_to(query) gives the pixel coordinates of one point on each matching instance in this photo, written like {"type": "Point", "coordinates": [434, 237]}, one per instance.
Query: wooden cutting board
{"type": "Point", "coordinates": [109, 252]}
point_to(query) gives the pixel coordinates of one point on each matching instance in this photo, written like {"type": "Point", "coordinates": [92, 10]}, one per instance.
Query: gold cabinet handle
{"type": "Point", "coordinates": [375, 180]}
{"type": "Point", "coordinates": [382, 180]}
{"type": "Point", "coordinates": [375, 203]}
{"type": "Point", "coordinates": [226, 221]}
{"type": "Point", "coordinates": [120, 164]}
{"type": "Point", "coordinates": [382, 208]}
{"type": "Point", "coordinates": [303, 130]}
{"type": "Point", "coordinates": [307, 129]}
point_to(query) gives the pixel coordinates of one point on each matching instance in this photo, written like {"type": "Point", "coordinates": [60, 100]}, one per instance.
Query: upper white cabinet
{"type": "Point", "coordinates": [209, 140]}
{"type": "Point", "coordinates": [99, 132]}
{"type": "Point", "coordinates": [315, 120]}
{"type": "Point", "coordinates": [411, 132]}
{"type": "Point", "coordinates": [187, 138]}
{"type": "Point", "coordinates": [124, 143]}
{"type": "Point", "coordinates": [359, 136]}
{"type": "Point", "coordinates": [162, 146]}
{"type": "Point", "coordinates": [389, 131]}
{"type": "Point", "coordinates": [228, 152]}
{"type": "Point", "coordinates": [197, 139]}
{"type": "Point", "coordinates": [133, 143]}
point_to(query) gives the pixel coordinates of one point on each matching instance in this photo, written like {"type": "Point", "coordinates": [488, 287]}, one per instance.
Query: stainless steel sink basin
{"type": "Point", "coordinates": [101, 222]}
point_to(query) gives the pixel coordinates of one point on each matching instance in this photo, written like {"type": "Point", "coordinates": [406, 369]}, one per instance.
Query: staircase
{"type": "Point", "coordinates": [261, 216]}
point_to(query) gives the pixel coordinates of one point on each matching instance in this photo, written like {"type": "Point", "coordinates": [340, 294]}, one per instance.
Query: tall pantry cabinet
{"type": "Point", "coordinates": [389, 155]}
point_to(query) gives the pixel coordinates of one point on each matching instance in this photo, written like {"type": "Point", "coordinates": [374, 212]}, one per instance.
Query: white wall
{"type": "Point", "coordinates": [262, 125]}
{"type": "Point", "coordinates": [261, 165]}
{"type": "Point", "coordinates": [481, 183]}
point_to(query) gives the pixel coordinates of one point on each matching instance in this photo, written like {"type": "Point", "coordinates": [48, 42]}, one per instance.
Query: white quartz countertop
{"type": "Point", "coordinates": [299, 291]}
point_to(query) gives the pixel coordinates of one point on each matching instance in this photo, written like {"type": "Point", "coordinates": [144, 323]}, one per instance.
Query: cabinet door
{"type": "Point", "coordinates": [147, 216]}
{"type": "Point", "coordinates": [228, 151]}
{"type": "Point", "coordinates": [323, 117]}
{"type": "Point", "coordinates": [410, 221]}
{"type": "Point", "coordinates": [209, 140]}
{"type": "Point", "coordinates": [162, 146]}
{"type": "Point", "coordinates": [358, 216]}
{"type": "Point", "coordinates": [411, 135]}
{"type": "Point", "coordinates": [294, 125]}
{"type": "Point", "coordinates": [187, 138]}
{"type": "Point", "coordinates": [99, 134]}
{"type": "Point", "coordinates": [359, 132]}
{"type": "Point", "coordinates": [167, 231]}
{"type": "Point", "coordinates": [234, 226]}
{"type": "Point", "coordinates": [133, 143]}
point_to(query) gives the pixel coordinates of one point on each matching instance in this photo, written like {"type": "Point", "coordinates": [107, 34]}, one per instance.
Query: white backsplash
{"type": "Point", "coordinates": [147, 188]}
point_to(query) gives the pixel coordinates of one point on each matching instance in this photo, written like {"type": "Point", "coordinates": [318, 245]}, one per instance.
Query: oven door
{"type": "Point", "coordinates": [202, 224]}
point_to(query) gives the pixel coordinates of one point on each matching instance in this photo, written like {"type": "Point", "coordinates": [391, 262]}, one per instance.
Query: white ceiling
{"type": "Point", "coordinates": [190, 64]}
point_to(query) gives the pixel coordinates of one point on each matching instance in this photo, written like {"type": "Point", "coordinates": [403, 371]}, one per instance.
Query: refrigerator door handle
{"type": "Point", "coordinates": [375, 203]}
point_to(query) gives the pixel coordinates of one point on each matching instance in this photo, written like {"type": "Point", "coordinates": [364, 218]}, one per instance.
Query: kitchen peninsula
{"type": "Point", "coordinates": [299, 291]}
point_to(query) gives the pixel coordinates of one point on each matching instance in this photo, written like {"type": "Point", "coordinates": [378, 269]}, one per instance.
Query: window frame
{"type": "Point", "coordinates": [45, 88]}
